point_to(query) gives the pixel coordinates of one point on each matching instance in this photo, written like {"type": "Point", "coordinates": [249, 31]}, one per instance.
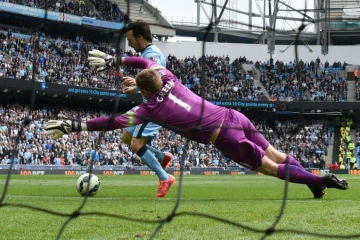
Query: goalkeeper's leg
{"type": "Point", "coordinates": [249, 154]}
{"type": "Point", "coordinates": [278, 157]}
{"type": "Point", "coordinates": [256, 137]}
{"type": "Point", "coordinates": [282, 158]}
{"type": "Point", "coordinates": [299, 175]}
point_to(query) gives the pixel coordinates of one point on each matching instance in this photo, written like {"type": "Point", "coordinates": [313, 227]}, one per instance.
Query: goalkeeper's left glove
{"type": "Point", "coordinates": [102, 61]}
{"type": "Point", "coordinates": [57, 128]}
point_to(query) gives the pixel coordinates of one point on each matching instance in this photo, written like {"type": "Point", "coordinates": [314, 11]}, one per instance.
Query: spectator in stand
{"type": "Point", "coordinates": [223, 79]}
{"type": "Point", "coordinates": [357, 91]}
{"type": "Point", "coordinates": [109, 149]}
{"type": "Point", "coordinates": [60, 60]}
{"type": "Point", "coordinates": [356, 74]}
{"type": "Point", "coordinates": [309, 144]}
{"type": "Point", "coordinates": [318, 82]}
{"type": "Point", "coordinates": [108, 11]}
{"type": "Point", "coordinates": [63, 61]}
{"type": "Point", "coordinates": [304, 144]}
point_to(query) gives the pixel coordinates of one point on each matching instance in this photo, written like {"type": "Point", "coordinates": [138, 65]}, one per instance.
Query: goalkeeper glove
{"type": "Point", "coordinates": [102, 61]}
{"type": "Point", "coordinates": [57, 128]}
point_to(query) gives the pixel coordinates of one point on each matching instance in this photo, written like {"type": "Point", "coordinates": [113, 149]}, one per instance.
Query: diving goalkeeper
{"type": "Point", "coordinates": [172, 104]}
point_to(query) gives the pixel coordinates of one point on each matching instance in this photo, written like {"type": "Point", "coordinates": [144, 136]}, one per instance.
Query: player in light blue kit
{"type": "Point", "coordinates": [171, 103]}
{"type": "Point", "coordinates": [140, 39]}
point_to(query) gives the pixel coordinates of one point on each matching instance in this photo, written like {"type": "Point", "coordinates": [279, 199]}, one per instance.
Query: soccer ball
{"type": "Point", "coordinates": [84, 180]}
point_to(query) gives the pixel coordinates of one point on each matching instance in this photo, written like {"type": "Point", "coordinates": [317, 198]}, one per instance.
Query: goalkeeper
{"type": "Point", "coordinates": [172, 104]}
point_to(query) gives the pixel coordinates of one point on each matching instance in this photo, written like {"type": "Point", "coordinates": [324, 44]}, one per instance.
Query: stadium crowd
{"type": "Point", "coordinates": [105, 10]}
{"type": "Point", "coordinates": [60, 60]}
{"type": "Point", "coordinates": [224, 79]}
{"type": "Point", "coordinates": [108, 11]}
{"type": "Point", "coordinates": [37, 148]}
{"type": "Point", "coordinates": [63, 61]}
{"type": "Point", "coordinates": [320, 81]}
{"type": "Point", "coordinates": [357, 91]}
{"type": "Point", "coordinates": [308, 144]}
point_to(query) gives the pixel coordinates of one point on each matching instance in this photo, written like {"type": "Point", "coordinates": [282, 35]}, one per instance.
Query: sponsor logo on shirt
{"type": "Point", "coordinates": [155, 59]}
{"type": "Point", "coordinates": [161, 73]}
{"type": "Point", "coordinates": [165, 89]}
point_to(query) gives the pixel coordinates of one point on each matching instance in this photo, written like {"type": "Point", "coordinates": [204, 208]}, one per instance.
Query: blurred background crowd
{"type": "Point", "coordinates": [63, 60]}
{"type": "Point", "coordinates": [308, 144]}
{"type": "Point", "coordinates": [104, 10]}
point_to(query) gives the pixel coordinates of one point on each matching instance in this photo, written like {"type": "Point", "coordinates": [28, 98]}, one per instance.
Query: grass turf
{"type": "Point", "coordinates": [251, 200]}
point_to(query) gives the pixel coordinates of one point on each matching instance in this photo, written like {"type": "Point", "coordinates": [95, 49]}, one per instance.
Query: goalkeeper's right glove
{"type": "Point", "coordinates": [57, 128]}
{"type": "Point", "coordinates": [102, 61]}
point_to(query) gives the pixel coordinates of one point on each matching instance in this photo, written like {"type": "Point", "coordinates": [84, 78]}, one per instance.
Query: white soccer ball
{"type": "Point", "coordinates": [83, 182]}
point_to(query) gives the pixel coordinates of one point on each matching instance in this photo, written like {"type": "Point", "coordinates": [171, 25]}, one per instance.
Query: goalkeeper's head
{"type": "Point", "coordinates": [149, 82]}
{"type": "Point", "coordinates": [139, 35]}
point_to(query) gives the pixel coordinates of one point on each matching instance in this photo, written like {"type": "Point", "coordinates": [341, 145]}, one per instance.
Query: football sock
{"type": "Point", "coordinates": [299, 175]}
{"type": "Point", "coordinates": [158, 154]}
{"type": "Point", "coordinates": [149, 158]}
{"type": "Point", "coordinates": [292, 161]}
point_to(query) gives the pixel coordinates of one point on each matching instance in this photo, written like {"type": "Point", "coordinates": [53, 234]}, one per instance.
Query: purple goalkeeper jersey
{"type": "Point", "coordinates": [174, 105]}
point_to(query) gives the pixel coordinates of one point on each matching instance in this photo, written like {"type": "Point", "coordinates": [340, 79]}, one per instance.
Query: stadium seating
{"type": "Point", "coordinates": [106, 10]}
{"type": "Point", "coordinates": [36, 148]}
{"type": "Point", "coordinates": [224, 79]}
{"type": "Point", "coordinates": [109, 11]}
{"type": "Point", "coordinates": [308, 144]}
{"type": "Point", "coordinates": [63, 61]}
{"type": "Point", "coordinates": [320, 82]}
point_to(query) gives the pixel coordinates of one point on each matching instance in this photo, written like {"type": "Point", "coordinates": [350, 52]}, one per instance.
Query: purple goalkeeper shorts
{"type": "Point", "coordinates": [239, 141]}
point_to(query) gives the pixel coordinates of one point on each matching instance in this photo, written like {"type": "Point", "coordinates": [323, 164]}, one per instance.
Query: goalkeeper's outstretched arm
{"type": "Point", "coordinates": [57, 128]}
{"type": "Point", "coordinates": [103, 62]}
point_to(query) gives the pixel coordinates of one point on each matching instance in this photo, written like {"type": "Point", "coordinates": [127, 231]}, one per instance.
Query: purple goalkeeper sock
{"type": "Point", "coordinates": [299, 175]}
{"type": "Point", "coordinates": [292, 161]}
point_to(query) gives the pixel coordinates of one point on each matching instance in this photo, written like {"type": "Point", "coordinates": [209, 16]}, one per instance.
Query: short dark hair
{"type": "Point", "coordinates": [140, 27]}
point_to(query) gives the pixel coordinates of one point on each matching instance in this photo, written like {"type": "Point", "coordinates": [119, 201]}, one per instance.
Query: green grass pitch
{"type": "Point", "coordinates": [250, 199]}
